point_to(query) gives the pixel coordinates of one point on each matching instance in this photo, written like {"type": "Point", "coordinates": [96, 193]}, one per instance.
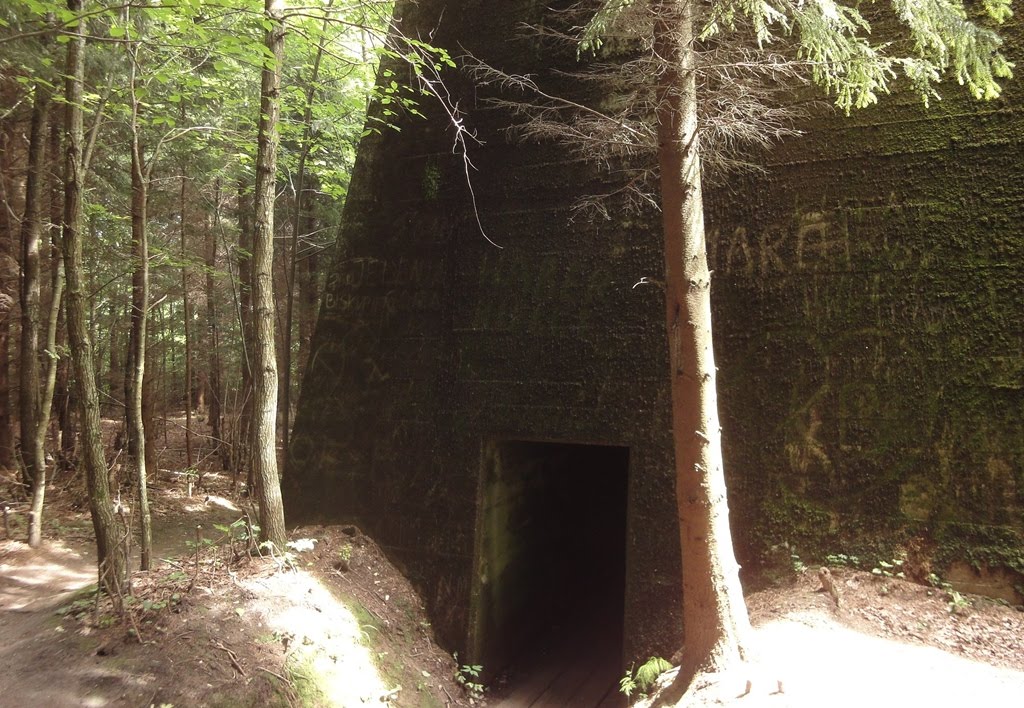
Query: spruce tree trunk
{"type": "Point", "coordinates": [32, 452]}
{"type": "Point", "coordinates": [264, 457]}
{"type": "Point", "coordinates": [109, 535]}
{"type": "Point", "coordinates": [715, 622]}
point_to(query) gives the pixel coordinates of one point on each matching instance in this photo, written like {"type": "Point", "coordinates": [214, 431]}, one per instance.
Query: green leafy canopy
{"type": "Point", "coordinates": [931, 39]}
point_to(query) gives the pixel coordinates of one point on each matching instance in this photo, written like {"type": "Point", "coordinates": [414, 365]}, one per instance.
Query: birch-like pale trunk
{"type": "Point", "coordinates": [33, 454]}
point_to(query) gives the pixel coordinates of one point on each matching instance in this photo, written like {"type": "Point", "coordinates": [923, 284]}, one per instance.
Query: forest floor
{"type": "Point", "coordinates": [334, 624]}
{"type": "Point", "coordinates": [331, 624]}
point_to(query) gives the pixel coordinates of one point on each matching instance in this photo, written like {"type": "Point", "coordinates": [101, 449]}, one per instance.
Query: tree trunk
{"type": "Point", "coordinates": [264, 458]}
{"type": "Point", "coordinates": [140, 310]}
{"type": "Point", "coordinates": [119, 375]}
{"type": "Point", "coordinates": [52, 355]}
{"type": "Point", "coordinates": [54, 360]}
{"type": "Point", "coordinates": [32, 452]}
{"type": "Point", "coordinates": [309, 295]}
{"type": "Point", "coordinates": [8, 292]}
{"type": "Point", "coordinates": [109, 536]}
{"type": "Point", "coordinates": [715, 622]}
{"type": "Point", "coordinates": [7, 460]}
{"type": "Point", "coordinates": [187, 313]}
{"type": "Point", "coordinates": [213, 328]}
{"type": "Point", "coordinates": [243, 432]}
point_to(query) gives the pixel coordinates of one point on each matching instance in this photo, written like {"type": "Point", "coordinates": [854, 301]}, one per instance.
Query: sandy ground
{"type": "Point", "coordinates": [888, 643]}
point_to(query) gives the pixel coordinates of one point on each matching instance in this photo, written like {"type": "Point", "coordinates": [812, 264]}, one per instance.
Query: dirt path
{"type": "Point", "coordinates": [33, 584]}
{"type": "Point", "coordinates": [47, 662]}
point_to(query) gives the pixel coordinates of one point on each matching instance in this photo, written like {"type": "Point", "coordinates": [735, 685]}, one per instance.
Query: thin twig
{"type": "Point", "coordinates": [232, 656]}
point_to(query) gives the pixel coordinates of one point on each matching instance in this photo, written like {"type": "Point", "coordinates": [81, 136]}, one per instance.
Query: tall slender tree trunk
{"type": "Point", "coordinates": [7, 459]}
{"type": "Point", "coordinates": [243, 434]}
{"type": "Point", "coordinates": [137, 440]}
{"type": "Point", "coordinates": [297, 223]}
{"type": "Point", "coordinates": [213, 327]}
{"type": "Point", "coordinates": [52, 355]}
{"type": "Point", "coordinates": [187, 311]}
{"type": "Point", "coordinates": [309, 295]}
{"type": "Point", "coordinates": [268, 484]}
{"type": "Point", "coordinates": [8, 291]}
{"type": "Point", "coordinates": [109, 536]}
{"type": "Point", "coordinates": [32, 452]}
{"type": "Point", "coordinates": [54, 360]}
{"type": "Point", "coordinates": [58, 364]}
{"type": "Point", "coordinates": [715, 623]}
{"type": "Point", "coordinates": [140, 314]}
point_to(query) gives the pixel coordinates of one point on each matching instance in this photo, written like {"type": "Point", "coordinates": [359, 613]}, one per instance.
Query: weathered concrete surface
{"type": "Point", "coordinates": [432, 343]}
{"type": "Point", "coordinates": [870, 332]}
{"type": "Point", "coordinates": [868, 301]}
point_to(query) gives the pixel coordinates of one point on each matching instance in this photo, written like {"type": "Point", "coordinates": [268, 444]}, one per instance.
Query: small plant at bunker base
{"type": "Point", "coordinates": [886, 569]}
{"type": "Point", "coordinates": [957, 603]}
{"type": "Point", "coordinates": [468, 676]}
{"type": "Point", "coordinates": [841, 560]}
{"type": "Point", "coordinates": [644, 677]}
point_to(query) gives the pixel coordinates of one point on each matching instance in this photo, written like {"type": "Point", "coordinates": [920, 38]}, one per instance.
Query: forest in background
{"type": "Point", "coordinates": [171, 94]}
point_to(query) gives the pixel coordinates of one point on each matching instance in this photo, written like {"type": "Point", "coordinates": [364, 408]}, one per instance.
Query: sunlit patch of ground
{"type": "Point", "coordinates": [30, 577]}
{"type": "Point", "coordinates": [326, 651]}
{"type": "Point", "coordinates": [824, 665]}
{"type": "Point", "coordinates": [889, 643]}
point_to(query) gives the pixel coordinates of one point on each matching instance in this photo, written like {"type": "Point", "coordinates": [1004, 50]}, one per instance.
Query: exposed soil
{"type": "Point", "coordinates": [888, 643]}
{"type": "Point", "coordinates": [337, 625]}
{"type": "Point", "coordinates": [334, 625]}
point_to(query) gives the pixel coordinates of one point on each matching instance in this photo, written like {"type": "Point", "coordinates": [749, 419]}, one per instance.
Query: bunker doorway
{"type": "Point", "coordinates": [551, 562]}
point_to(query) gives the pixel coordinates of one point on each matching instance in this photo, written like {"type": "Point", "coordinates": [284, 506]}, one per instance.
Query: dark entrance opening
{"type": "Point", "coordinates": [551, 555]}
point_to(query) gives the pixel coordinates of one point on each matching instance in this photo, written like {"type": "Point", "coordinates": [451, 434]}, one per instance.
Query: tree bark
{"type": "Point", "coordinates": [715, 623]}
{"type": "Point", "coordinates": [33, 455]}
{"type": "Point", "coordinates": [140, 313]}
{"type": "Point", "coordinates": [139, 307]}
{"type": "Point", "coordinates": [109, 535]}
{"type": "Point", "coordinates": [187, 312]}
{"type": "Point", "coordinates": [264, 458]}
{"type": "Point", "coordinates": [309, 295]}
{"type": "Point", "coordinates": [212, 325]}
{"type": "Point", "coordinates": [243, 432]}
{"type": "Point", "coordinates": [8, 292]}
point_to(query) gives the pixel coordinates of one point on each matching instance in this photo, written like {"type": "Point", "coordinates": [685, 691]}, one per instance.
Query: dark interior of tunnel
{"type": "Point", "coordinates": [554, 544]}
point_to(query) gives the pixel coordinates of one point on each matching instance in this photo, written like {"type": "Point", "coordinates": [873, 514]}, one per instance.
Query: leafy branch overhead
{"type": "Point", "coordinates": [837, 42]}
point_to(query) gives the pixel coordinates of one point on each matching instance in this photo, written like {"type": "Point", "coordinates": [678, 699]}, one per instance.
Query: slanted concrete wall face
{"type": "Point", "coordinates": [870, 332]}
{"type": "Point", "coordinates": [868, 302]}
{"type": "Point", "coordinates": [432, 342]}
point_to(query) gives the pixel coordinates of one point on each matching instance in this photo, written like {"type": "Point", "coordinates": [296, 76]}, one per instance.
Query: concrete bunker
{"type": "Point", "coordinates": [551, 556]}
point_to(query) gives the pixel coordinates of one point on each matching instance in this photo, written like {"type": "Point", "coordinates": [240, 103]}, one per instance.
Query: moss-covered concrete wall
{"type": "Point", "coordinates": [869, 305]}
{"type": "Point", "coordinates": [870, 331]}
{"type": "Point", "coordinates": [432, 343]}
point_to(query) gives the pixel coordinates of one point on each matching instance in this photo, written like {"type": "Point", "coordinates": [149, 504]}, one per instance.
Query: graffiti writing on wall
{"type": "Point", "coordinates": [822, 240]}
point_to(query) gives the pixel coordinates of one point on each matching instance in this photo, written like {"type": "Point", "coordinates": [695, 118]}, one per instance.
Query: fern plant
{"type": "Point", "coordinates": [644, 677]}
